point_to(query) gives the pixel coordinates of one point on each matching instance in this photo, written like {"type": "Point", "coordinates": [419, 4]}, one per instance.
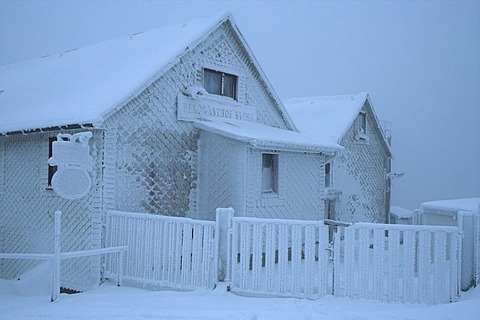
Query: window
{"type": "Point", "coordinates": [362, 123]}
{"type": "Point", "coordinates": [2, 168]}
{"type": "Point", "coordinates": [269, 173]}
{"type": "Point", "coordinates": [328, 175]}
{"type": "Point", "coordinates": [51, 169]}
{"type": "Point", "coordinates": [220, 83]}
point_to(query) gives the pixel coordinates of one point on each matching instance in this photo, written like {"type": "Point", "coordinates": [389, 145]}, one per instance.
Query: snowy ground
{"type": "Point", "coordinates": [110, 302]}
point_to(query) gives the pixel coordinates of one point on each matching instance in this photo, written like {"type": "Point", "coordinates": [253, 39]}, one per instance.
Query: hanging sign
{"type": "Point", "coordinates": [71, 155]}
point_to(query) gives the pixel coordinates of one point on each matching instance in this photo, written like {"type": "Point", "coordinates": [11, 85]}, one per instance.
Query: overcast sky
{"type": "Point", "coordinates": [420, 62]}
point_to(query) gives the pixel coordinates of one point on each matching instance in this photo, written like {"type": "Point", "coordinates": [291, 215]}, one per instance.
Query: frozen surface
{"type": "Point", "coordinates": [326, 118]}
{"type": "Point", "coordinates": [401, 212]}
{"type": "Point", "coordinates": [468, 204]}
{"type": "Point", "coordinates": [81, 85]}
{"type": "Point", "coordinates": [18, 301]}
{"type": "Point", "coordinates": [259, 134]}
{"type": "Point", "coordinates": [111, 302]}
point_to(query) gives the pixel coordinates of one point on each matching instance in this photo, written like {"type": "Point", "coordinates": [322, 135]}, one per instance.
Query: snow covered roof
{"type": "Point", "coordinates": [327, 118]}
{"type": "Point", "coordinates": [468, 204]}
{"type": "Point", "coordinates": [400, 212]}
{"type": "Point", "coordinates": [260, 135]}
{"type": "Point", "coordinates": [82, 86]}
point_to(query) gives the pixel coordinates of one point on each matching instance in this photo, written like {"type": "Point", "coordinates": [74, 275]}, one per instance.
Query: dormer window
{"type": "Point", "coordinates": [220, 83]}
{"type": "Point", "coordinates": [362, 121]}
{"type": "Point", "coordinates": [361, 125]}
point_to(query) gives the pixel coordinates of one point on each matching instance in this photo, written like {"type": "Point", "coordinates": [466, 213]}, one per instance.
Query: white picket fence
{"type": "Point", "coordinates": [164, 251]}
{"type": "Point", "coordinates": [278, 257]}
{"type": "Point", "coordinates": [290, 258]}
{"type": "Point", "coordinates": [397, 263]}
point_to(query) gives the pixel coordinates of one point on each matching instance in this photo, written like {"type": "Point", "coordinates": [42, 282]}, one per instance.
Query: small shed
{"type": "Point", "coordinates": [399, 215]}
{"type": "Point", "coordinates": [464, 214]}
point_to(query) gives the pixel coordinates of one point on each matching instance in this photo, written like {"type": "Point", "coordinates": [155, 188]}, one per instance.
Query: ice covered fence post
{"type": "Point", "coordinates": [223, 223]}
{"type": "Point", "coordinates": [56, 257]}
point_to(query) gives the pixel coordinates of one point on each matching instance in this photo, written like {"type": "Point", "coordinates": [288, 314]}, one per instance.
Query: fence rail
{"type": "Point", "coordinates": [165, 251]}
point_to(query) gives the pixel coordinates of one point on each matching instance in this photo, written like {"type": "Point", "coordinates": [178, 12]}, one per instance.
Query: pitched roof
{"type": "Point", "coordinates": [260, 135]}
{"type": "Point", "coordinates": [82, 86]}
{"type": "Point", "coordinates": [468, 204]}
{"type": "Point", "coordinates": [328, 118]}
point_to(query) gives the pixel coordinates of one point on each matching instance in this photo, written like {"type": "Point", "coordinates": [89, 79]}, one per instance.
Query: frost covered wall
{"type": "Point", "coordinates": [222, 163]}
{"type": "Point", "coordinates": [359, 173]}
{"type": "Point", "coordinates": [27, 210]}
{"type": "Point", "coordinates": [300, 187]}
{"type": "Point", "coordinates": [155, 155]}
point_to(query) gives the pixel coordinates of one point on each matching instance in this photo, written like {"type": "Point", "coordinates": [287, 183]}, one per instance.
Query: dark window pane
{"type": "Point", "coordinates": [327, 175]}
{"type": "Point", "coordinates": [229, 85]}
{"type": "Point", "coordinates": [213, 81]}
{"type": "Point", "coordinates": [51, 169]}
{"type": "Point", "coordinates": [269, 173]}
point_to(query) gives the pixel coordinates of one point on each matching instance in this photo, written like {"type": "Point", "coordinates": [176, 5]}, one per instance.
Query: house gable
{"type": "Point", "coordinates": [360, 174]}
{"type": "Point", "coordinates": [90, 83]}
{"type": "Point", "coordinates": [155, 152]}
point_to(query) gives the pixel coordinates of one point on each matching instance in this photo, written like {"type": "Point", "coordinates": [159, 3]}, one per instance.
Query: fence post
{"type": "Point", "coordinates": [56, 257]}
{"type": "Point", "coordinates": [223, 218]}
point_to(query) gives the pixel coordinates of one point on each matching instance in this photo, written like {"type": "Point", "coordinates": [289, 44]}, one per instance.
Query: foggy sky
{"type": "Point", "coordinates": [420, 62]}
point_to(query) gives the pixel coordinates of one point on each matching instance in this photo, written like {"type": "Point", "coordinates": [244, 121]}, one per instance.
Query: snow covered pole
{"type": "Point", "coordinates": [223, 217]}
{"type": "Point", "coordinates": [56, 257]}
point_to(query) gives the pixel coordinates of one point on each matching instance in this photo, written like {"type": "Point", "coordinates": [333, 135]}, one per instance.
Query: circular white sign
{"type": "Point", "coordinates": [71, 183]}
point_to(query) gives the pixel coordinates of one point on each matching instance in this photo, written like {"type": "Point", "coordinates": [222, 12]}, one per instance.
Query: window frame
{"type": "Point", "coordinates": [328, 172]}
{"type": "Point", "coordinates": [362, 126]}
{"type": "Point", "coordinates": [51, 169]}
{"type": "Point", "coordinates": [273, 183]}
{"type": "Point", "coordinates": [2, 167]}
{"type": "Point", "coordinates": [222, 90]}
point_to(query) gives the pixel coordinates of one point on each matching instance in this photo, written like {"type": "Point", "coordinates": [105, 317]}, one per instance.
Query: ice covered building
{"type": "Point", "coordinates": [356, 180]}
{"type": "Point", "coordinates": [465, 215]}
{"type": "Point", "coordinates": [183, 121]}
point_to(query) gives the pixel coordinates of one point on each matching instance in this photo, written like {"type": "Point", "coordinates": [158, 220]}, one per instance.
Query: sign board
{"type": "Point", "coordinates": [190, 109]}
{"type": "Point", "coordinates": [71, 183]}
{"type": "Point", "coordinates": [71, 155]}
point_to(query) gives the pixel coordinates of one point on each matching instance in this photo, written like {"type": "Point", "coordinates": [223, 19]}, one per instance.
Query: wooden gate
{"type": "Point", "coordinates": [278, 257]}
{"type": "Point", "coordinates": [397, 263]}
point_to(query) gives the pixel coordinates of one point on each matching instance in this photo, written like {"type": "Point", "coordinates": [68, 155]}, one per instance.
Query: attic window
{"type": "Point", "coordinates": [269, 173]}
{"type": "Point", "coordinates": [220, 83]}
{"type": "Point", "coordinates": [362, 126]}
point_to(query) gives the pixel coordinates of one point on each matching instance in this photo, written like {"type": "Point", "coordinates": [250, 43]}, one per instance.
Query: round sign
{"type": "Point", "coordinates": [71, 183]}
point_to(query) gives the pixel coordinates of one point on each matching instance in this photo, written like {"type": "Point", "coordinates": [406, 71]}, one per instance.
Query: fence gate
{"type": "Point", "coordinates": [278, 257]}
{"type": "Point", "coordinates": [397, 263]}
{"type": "Point", "coordinates": [166, 251]}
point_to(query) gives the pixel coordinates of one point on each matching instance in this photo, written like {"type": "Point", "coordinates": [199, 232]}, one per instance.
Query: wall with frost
{"type": "Point", "coordinates": [359, 173]}
{"type": "Point", "coordinates": [155, 156]}
{"type": "Point", "coordinates": [221, 175]}
{"type": "Point", "coordinates": [300, 186]}
{"type": "Point", "coordinates": [27, 210]}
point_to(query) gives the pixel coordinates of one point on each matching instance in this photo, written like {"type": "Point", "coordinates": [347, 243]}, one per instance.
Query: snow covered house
{"type": "Point", "coordinates": [357, 179]}
{"type": "Point", "coordinates": [183, 121]}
